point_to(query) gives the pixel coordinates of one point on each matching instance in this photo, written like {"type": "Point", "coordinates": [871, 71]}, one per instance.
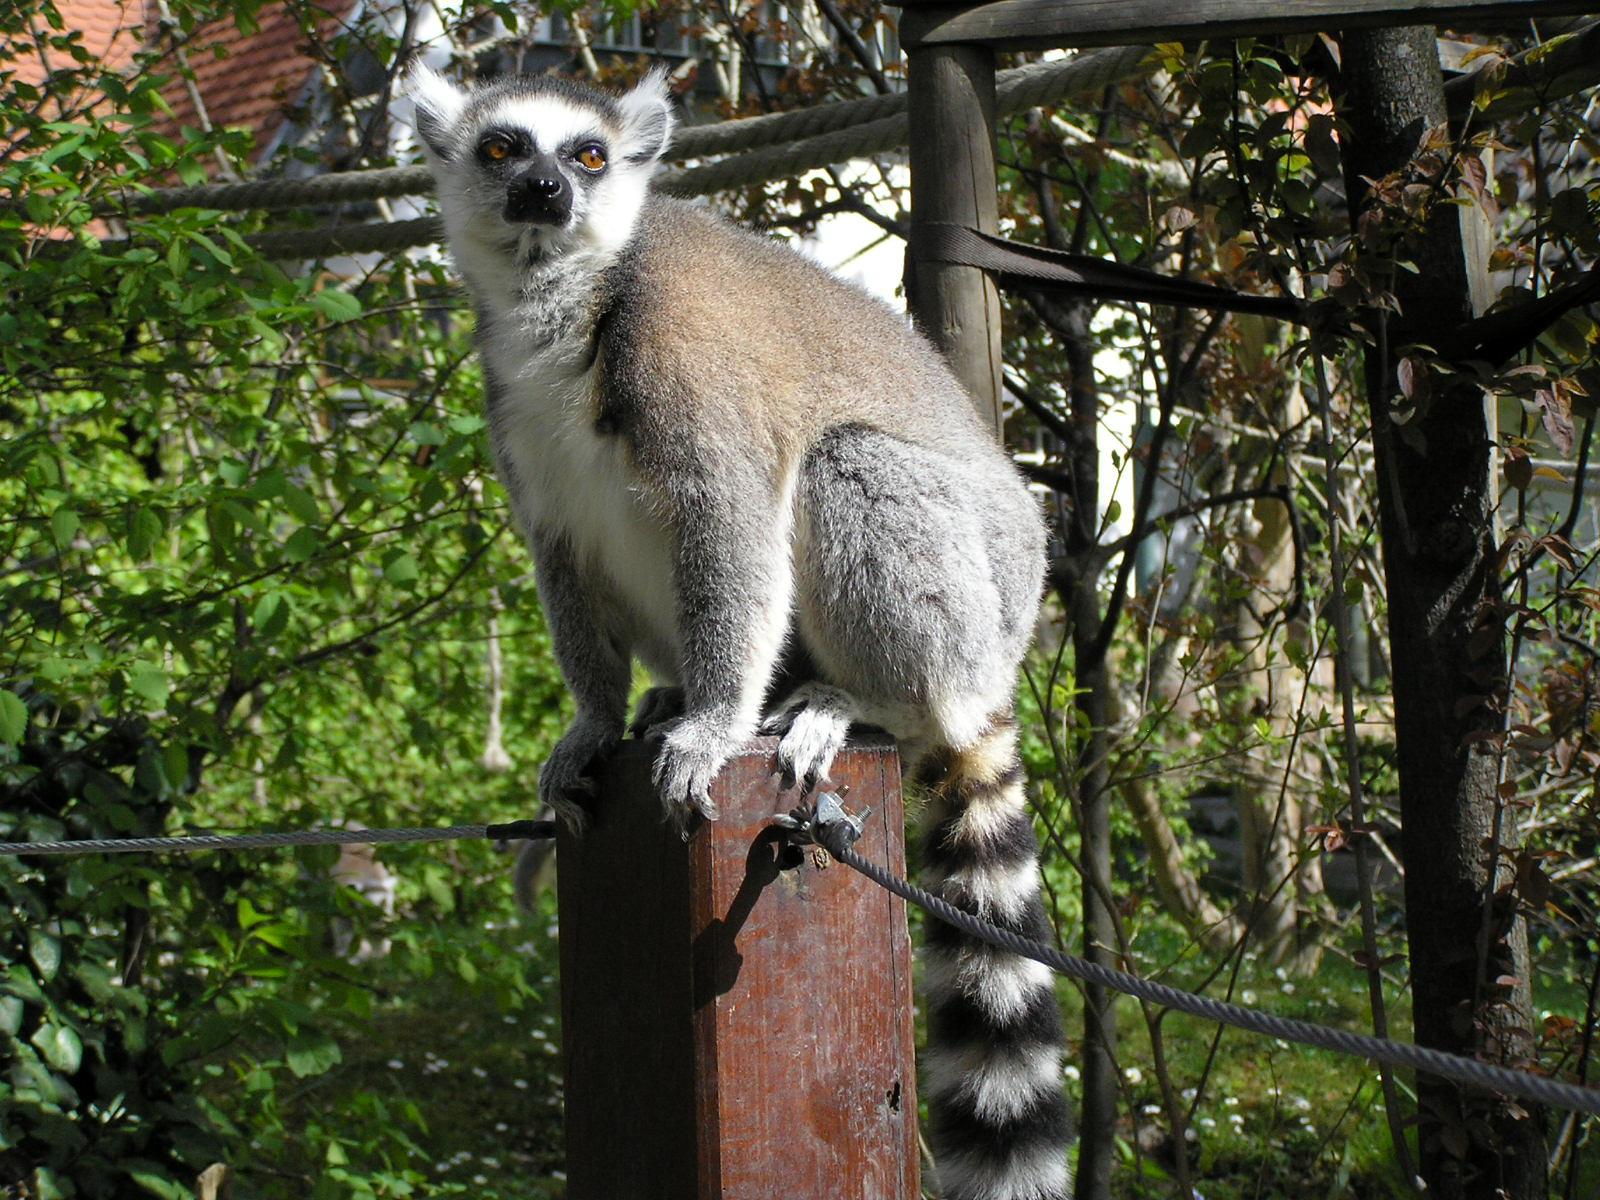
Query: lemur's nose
{"type": "Point", "coordinates": [540, 195]}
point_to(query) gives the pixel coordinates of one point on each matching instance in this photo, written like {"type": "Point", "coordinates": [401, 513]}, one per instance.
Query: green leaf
{"type": "Point", "coordinates": [175, 764]}
{"type": "Point", "coordinates": [61, 1047]}
{"type": "Point", "coordinates": [249, 914]}
{"type": "Point", "coordinates": [303, 544]}
{"type": "Point", "coordinates": [10, 1014]}
{"type": "Point", "coordinates": [311, 1053]}
{"type": "Point", "coordinates": [144, 527]}
{"type": "Point", "coordinates": [13, 717]}
{"type": "Point", "coordinates": [337, 305]}
{"type": "Point", "coordinates": [64, 525]}
{"type": "Point", "coordinates": [216, 251]}
{"type": "Point", "coordinates": [149, 682]}
{"type": "Point", "coordinates": [271, 615]}
{"type": "Point", "coordinates": [278, 934]}
{"type": "Point", "coordinates": [153, 1179]}
{"type": "Point", "coordinates": [301, 503]}
{"type": "Point", "coordinates": [45, 951]}
{"type": "Point", "coordinates": [400, 568]}
{"type": "Point", "coordinates": [425, 434]}
{"type": "Point", "coordinates": [270, 486]}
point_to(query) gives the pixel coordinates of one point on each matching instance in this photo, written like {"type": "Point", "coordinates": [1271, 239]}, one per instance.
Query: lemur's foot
{"type": "Point", "coordinates": [812, 725]}
{"type": "Point", "coordinates": [656, 707]}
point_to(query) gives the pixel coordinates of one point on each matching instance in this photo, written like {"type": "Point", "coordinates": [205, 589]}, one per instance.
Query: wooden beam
{"type": "Point", "coordinates": [951, 92]}
{"type": "Point", "coordinates": [735, 1025]}
{"type": "Point", "coordinates": [1047, 24]}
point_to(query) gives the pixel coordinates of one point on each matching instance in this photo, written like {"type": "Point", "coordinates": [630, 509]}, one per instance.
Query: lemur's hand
{"type": "Point", "coordinates": [693, 749]}
{"type": "Point", "coordinates": [566, 781]}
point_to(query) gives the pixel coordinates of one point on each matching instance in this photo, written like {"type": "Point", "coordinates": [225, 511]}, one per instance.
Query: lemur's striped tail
{"type": "Point", "coordinates": [993, 1065]}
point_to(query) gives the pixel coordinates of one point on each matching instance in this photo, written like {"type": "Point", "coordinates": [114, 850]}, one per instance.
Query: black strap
{"type": "Point", "coordinates": [1018, 266]}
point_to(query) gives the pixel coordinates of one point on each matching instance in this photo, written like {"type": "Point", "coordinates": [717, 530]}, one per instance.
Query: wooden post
{"type": "Point", "coordinates": [951, 92]}
{"type": "Point", "coordinates": [736, 1025]}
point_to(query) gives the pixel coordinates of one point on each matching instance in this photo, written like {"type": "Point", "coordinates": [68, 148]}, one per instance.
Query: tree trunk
{"type": "Point", "coordinates": [1436, 512]}
{"type": "Point", "coordinates": [1075, 576]}
{"type": "Point", "coordinates": [1279, 879]}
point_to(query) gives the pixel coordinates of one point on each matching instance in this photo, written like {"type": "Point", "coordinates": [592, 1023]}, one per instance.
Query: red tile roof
{"type": "Point", "coordinates": [112, 30]}
{"type": "Point", "coordinates": [245, 80]}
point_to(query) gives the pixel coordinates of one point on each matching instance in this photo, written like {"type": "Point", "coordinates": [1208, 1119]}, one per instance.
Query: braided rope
{"type": "Point", "coordinates": [836, 838]}
{"type": "Point", "coordinates": [305, 837]}
{"type": "Point", "coordinates": [365, 238]}
{"type": "Point", "coordinates": [342, 186]}
{"type": "Point", "coordinates": [1015, 90]}
{"type": "Point", "coordinates": [790, 159]}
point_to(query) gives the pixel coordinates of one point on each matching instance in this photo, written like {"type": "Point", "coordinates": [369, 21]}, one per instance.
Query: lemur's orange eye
{"type": "Point", "coordinates": [592, 158]}
{"type": "Point", "coordinates": [496, 148]}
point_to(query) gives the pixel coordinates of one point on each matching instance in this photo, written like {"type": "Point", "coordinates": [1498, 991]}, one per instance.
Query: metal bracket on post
{"type": "Point", "coordinates": [825, 824]}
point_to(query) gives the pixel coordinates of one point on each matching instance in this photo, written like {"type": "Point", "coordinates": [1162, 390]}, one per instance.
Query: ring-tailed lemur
{"type": "Point", "coordinates": [765, 486]}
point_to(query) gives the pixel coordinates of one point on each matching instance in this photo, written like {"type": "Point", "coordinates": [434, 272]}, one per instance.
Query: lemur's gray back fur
{"type": "Point", "coordinates": [760, 482]}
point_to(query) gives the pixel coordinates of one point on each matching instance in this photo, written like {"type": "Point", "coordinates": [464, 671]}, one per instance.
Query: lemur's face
{"type": "Point", "coordinates": [540, 155]}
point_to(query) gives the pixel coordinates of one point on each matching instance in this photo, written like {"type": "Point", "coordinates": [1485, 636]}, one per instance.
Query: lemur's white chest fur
{"type": "Point", "coordinates": [567, 477]}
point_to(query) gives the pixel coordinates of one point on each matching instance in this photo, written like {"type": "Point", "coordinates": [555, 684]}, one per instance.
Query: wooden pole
{"type": "Point", "coordinates": [735, 1024]}
{"type": "Point", "coordinates": [951, 92]}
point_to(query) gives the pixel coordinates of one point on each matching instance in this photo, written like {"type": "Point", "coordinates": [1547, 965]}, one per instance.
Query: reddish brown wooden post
{"type": "Point", "coordinates": [736, 1028]}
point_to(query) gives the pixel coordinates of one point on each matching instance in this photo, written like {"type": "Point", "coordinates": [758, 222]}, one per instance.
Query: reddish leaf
{"type": "Point", "coordinates": [1555, 413]}
{"type": "Point", "coordinates": [1518, 468]}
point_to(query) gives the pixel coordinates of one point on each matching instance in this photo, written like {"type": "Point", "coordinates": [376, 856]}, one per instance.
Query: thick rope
{"type": "Point", "coordinates": [306, 837]}
{"type": "Point", "coordinates": [1015, 90]}
{"type": "Point", "coordinates": [379, 183]}
{"type": "Point", "coordinates": [370, 238]}
{"type": "Point", "coordinates": [835, 837]}
{"type": "Point", "coordinates": [790, 159]}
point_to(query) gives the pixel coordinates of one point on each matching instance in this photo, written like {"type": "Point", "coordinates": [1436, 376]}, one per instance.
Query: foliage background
{"type": "Point", "coordinates": [255, 575]}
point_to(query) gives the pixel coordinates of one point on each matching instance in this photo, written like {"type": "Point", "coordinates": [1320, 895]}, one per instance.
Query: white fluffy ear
{"type": "Point", "coordinates": [647, 117]}
{"type": "Point", "coordinates": [438, 102]}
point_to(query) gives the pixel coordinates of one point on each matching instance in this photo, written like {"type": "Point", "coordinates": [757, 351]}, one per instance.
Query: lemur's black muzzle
{"type": "Point", "coordinates": [540, 195]}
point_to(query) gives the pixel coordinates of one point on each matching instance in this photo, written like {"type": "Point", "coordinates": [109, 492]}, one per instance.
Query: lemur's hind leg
{"type": "Point", "coordinates": [812, 723]}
